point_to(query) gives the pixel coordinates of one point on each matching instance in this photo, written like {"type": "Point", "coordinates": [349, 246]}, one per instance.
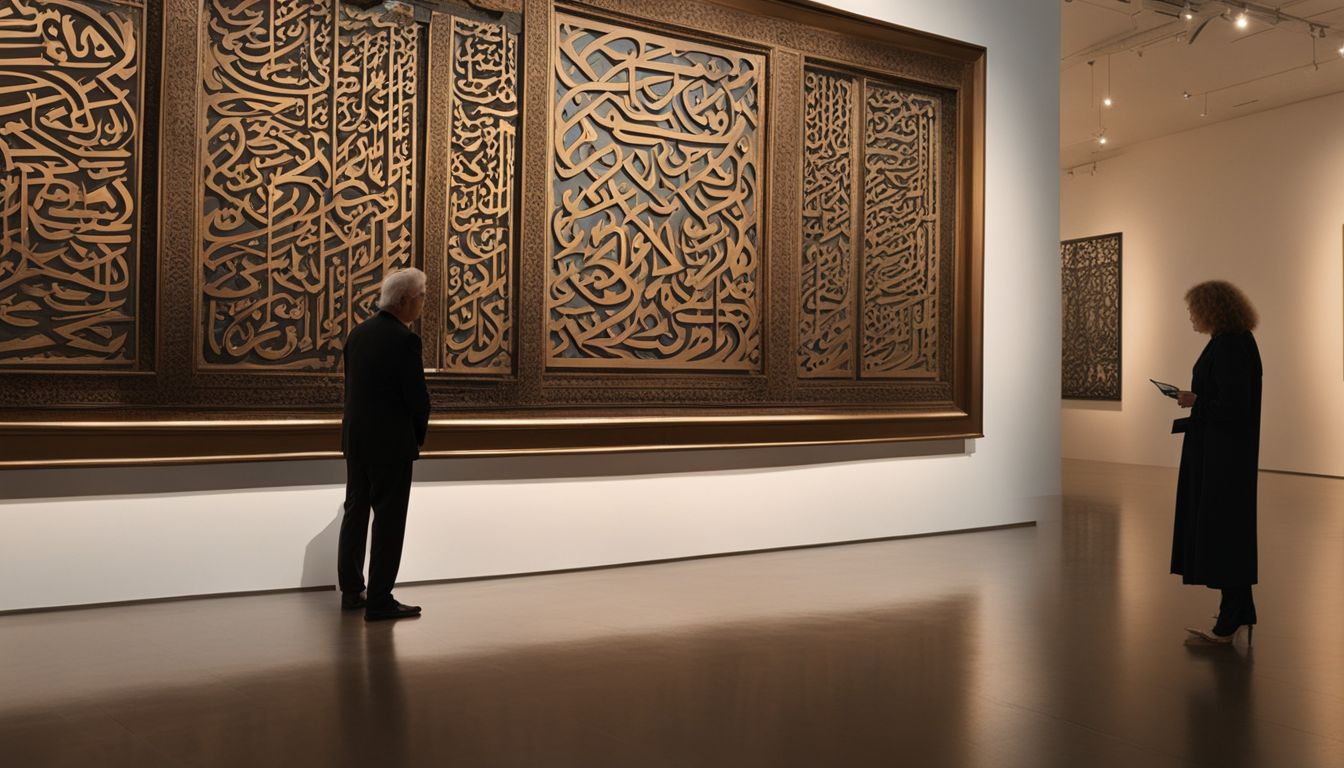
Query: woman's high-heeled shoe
{"type": "Point", "coordinates": [1209, 637]}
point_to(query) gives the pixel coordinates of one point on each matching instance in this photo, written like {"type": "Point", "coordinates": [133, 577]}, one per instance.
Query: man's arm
{"type": "Point", "coordinates": [413, 388]}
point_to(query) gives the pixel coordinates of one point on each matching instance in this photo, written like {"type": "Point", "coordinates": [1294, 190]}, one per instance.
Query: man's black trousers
{"type": "Point", "coordinates": [387, 489]}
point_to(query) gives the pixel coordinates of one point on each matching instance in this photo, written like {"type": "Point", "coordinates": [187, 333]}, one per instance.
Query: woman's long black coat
{"type": "Point", "coordinates": [1214, 539]}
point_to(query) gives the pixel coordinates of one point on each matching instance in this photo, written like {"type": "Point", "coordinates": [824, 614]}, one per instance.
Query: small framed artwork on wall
{"type": "Point", "coordinates": [1091, 317]}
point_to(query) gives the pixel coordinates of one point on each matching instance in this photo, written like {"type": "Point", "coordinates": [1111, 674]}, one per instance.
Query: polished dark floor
{"type": "Point", "coordinates": [1058, 645]}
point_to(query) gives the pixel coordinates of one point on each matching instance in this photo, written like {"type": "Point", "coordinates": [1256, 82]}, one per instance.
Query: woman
{"type": "Point", "coordinates": [1214, 539]}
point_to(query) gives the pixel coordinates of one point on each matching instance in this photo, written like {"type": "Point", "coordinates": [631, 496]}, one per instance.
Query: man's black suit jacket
{"type": "Point", "coordinates": [386, 401]}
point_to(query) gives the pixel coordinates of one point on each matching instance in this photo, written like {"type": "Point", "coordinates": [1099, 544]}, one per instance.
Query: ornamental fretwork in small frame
{"type": "Point", "coordinates": [645, 225]}
{"type": "Point", "coordinates": [1091, 317]}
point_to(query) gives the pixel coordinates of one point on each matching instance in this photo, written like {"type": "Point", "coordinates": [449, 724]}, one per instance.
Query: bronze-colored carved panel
{"type": "Point", "coordinates": [373, 205]}
{"type": "Point", "coordinates": [1091, 317]}
{"type": "Point", "coordinates": [639, 276]}
{"type": "Point", "coordinates": [826, 273]}
{"type": "Point", "coordinates": [656, 201]}
{"type": "Point", "coordinates": [901, 264]}
{"type": "Point", "coordinates": [482, 149]}
{"type": "Point", "coordinates": [70, 132]}
{"type": "Point", "coordinates": [308, 170]}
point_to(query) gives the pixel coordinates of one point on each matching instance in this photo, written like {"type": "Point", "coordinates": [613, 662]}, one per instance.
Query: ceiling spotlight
{"type": "Point", "coordinates": [1101, 140]}
{"type": "Point", "coordinates": [1188, 16]}
{"type": "Point", "coordinates": [1185, 95]}
{"type": "Point", "coordinates": [1106, 102]}
{"type": "Point", "coordinates": [1341, 50]}
{"type": "Point", "coordinates": [1242, 20]}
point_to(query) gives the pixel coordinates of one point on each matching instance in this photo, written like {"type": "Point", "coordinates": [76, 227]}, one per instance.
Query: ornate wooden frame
{"type": "Point", "coordinates": [173, 411]}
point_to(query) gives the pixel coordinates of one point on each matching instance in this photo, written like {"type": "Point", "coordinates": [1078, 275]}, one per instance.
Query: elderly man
{"type": "Point", "coordinates": [386, 416]}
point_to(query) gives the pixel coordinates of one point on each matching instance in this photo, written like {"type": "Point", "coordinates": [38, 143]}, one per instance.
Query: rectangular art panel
{"type": "Point", "coordinates": [656, 203]}
{"type": "Point", "coordinates": [308, 177]}
{"type": "Point", "coordinates": [1091, 309]}
{"type": "Point", "coordinates": [884, 217]}
{"type": "Point", "coordinates": [70, 133]}
{"type": "Point", "coordinates": [901, 265]}
{"type": "Point", "coordinates": [482, 147]}
{"type": "Point", "coordinates": [826, 273]}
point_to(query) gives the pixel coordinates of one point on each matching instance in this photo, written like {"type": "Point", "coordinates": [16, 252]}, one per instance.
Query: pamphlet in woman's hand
{"type": "Point", "coordinates": [1166, 389]}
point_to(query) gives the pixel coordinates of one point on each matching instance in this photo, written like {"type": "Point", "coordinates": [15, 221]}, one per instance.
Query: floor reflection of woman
{"type": "Point", "coordinates": [1213, 543]}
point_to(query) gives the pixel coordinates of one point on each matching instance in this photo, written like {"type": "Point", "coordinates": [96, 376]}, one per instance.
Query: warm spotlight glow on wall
{"type": "Point", "coordinates": [1242, 21]}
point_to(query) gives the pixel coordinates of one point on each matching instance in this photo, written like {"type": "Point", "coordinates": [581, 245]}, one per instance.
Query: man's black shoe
{"type": "Point", "coordinates": [392, 610]}
{"type": "Point", "coordinates": [352, 601]}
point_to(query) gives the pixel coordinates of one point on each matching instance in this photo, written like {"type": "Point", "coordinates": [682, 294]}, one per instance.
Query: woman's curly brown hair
{"type": "Point", "coordinates": [1221, 307]}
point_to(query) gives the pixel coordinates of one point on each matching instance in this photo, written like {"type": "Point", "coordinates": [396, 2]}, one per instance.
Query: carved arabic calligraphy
{"type": "Point", "coordinates": [482, 149]}
{"type": "Point", "coordinates": [656, 203]}
{"type": "Point", "coordinates": [309, 177]}
{"type": "Point", "coordinates": [70, 83]}
{"type": "Point", "coordinates": [1091, 286]}
{"type": "Point", "coordinates": [901, 255]}
{"type": "Point", "coordinates": [900, 260]}
{"type": "Point", "coordinates": [826, 273]}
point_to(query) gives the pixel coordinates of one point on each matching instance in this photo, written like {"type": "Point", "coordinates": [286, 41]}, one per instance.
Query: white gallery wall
{"type": "Point", "coordinates": [96, 535]}
{"type": "Point", "coordinates": [1258, 201]}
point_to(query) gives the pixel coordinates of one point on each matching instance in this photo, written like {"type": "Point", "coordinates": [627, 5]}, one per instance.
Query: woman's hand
{"type": "Point", "coordinates": [1185, 399]}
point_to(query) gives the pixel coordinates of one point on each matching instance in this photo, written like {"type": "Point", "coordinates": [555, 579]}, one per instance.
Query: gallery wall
{"type": "Point", "coordinates": [98, 535]}
{"type": "Point", "coordinates": [1257, 201]}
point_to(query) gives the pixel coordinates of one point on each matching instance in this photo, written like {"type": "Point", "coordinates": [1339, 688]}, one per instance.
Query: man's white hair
{"type": "Point", "coordinates": [399, 285]}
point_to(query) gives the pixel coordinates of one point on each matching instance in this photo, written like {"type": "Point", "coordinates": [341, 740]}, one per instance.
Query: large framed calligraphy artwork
{"type": "Point", "coordinates": [644, 224]}
{"type": "Point", "coordinates": [1091, 317]}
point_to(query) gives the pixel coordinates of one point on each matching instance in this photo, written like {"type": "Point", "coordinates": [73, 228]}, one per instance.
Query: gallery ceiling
{"type": "Point", "coordinates": [1147, 55]}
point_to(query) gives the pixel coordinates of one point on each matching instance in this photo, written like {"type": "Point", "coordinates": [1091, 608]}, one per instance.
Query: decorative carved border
{"type": "Point", "coordinates": [145, 418]}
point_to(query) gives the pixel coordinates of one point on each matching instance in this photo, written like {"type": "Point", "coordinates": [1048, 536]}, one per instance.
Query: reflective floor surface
{"type": "Point", "coordinates": [1058, 645]}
